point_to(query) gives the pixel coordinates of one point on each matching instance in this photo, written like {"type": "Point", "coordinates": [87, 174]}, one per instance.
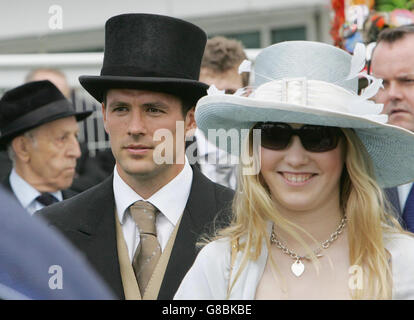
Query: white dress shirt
{"type": "Point", "coordinates": [26, 194]}
{"type": "Point", "coordinates": [210, 158]}
{"type": "Point", "coordinates": [170, 201]}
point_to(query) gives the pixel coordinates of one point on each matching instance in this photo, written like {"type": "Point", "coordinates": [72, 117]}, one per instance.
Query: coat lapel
{"type": "Point", "coordinates": [68, 193]}
{"type": "Point", "coordinates": [95, 233]}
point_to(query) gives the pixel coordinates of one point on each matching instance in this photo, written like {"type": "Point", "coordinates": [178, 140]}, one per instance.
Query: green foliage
{"type": "Point", "coordinates": [390, 5]}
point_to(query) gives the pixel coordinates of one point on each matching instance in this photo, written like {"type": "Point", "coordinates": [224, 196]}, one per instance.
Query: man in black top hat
{"type": "Point", "coordinates": [139, 227]}
{"type": "Point", "coordinates": [38, 128]}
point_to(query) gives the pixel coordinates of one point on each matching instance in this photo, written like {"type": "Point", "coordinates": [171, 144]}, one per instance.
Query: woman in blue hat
{"type": "Point", "coordinates": [310, 220]}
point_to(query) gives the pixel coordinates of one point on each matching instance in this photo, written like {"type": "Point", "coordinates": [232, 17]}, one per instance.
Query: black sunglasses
{"type": "Point", "coordinates": [277, 136]}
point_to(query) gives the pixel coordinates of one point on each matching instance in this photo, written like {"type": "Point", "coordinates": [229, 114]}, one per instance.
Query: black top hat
{"type": "Point", "coordinates": [151, 52]}
{"type": "Point", "coordinates": [31, 105]}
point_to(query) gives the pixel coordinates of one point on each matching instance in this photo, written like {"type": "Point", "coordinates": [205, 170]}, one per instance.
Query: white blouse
{"type": "Point", "coordinates": [208, 278]}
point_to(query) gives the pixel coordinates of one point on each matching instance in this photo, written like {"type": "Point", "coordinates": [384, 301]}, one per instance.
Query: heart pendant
{"type": "Point", "coordinates": [297, 268]}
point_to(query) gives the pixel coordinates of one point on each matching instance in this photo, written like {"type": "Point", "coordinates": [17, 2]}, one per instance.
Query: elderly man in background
{"type": "Point", "coordinates": [219, 67]}
{"type": "Point", "coordinates": [55, 76]}
{"type": "Point", "coordinates": [39, 130]}
{"type": "Point", "coordinates": [89, 170]}
{"type": "Point", "coordinates": [393, 61]}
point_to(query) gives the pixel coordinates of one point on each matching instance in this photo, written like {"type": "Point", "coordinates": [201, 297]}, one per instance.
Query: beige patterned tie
{"type": "Point", "coordinates": [149, 251]}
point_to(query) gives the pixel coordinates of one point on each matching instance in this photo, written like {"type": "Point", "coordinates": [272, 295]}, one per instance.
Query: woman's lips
{"type": "Point", "coordinates": [297, 179]}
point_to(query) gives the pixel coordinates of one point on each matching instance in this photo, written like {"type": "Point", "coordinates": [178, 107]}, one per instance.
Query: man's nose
{"type": "Point", "coordinates": [74, 148]}
{"type": "Point", "coordinates": [136, 123]}
{"type": "Point", "coordinates": [394, 91]}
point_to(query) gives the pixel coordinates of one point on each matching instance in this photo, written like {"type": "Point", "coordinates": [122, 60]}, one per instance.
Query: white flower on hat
{"type": "Point", "coordinates": [245, 66]}
{"type": "Point", "coordinates": [213, 91]}
{"type": "Point", "coordinates": [363, 106]}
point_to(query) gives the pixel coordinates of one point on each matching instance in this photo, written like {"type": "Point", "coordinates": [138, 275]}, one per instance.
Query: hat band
{"type": "Point", "coordinates": [318, 95]}
{"type": "Point", "coordinates": [134, 71]}
{"type": "Point", "coordinates": [48, 111]}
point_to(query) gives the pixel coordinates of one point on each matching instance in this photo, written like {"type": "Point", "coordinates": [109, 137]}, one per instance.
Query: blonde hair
{"type": "Point", "coordinates": [361, 200]}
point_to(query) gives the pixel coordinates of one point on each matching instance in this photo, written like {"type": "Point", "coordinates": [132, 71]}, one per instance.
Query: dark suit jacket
{"type": "Point", "coordinates": [66, 194]}
{"type": "Point", "coordinates": [392, 196]}
{"type": "Point", "coordinates": [88, 221]}
{"type": "Point", "coordinates": [5, 165]}
{"type": "Point", "coordinates": [91, 171]}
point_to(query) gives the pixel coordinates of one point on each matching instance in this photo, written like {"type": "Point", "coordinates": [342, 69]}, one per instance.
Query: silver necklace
{"type": "Point", "coordinates": [297, 266]}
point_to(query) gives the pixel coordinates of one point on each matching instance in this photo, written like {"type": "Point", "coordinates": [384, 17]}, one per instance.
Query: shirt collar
{"type": "Point", "coordinates": [24, 192]}
{"type": "Point", "coordinates": [171, 199]}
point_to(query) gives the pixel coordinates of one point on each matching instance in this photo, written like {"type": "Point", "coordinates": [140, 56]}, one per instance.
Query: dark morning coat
{"type": "Point", "coordinates": [88, 221]}
{"type": "Point", "coordinates": [392, 196]}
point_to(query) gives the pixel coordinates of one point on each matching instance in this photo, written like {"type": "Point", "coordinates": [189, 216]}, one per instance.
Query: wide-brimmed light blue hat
{"type": "Point", "coordinates": [312, 83]}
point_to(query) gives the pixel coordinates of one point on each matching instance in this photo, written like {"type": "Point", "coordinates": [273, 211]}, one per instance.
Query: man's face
{"type": "Point", "coordinates": [53, 154]}
{"type": "Point", "coordinates": [230, 80]}
{"type": "Point", "coordinates": [133, 119]}
{"type": "Point", "coordinates": [394, 63]}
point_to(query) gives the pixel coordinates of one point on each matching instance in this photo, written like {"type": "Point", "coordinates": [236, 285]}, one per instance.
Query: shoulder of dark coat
{"type": "Point", "coordinates": [76, 207]}
{"type": "Point", "coordinates": [224, 201]}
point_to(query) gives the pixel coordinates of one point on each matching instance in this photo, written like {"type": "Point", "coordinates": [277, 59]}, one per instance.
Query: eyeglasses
{"type": "Point", "coordinates": [277, 136]}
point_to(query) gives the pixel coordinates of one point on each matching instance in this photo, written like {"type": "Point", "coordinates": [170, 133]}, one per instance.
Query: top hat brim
{"type": "Point", "coordinates": [188, 90]}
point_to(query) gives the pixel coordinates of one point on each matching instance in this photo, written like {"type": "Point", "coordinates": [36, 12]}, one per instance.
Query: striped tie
{"type": "Point", "coordinates": [149, 251]}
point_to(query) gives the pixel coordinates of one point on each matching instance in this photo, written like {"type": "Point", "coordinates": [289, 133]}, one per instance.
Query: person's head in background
{"type": "Point", "coordinates": [55, 76]}
{"type": "Point", "coordinates": [221, 60]}
{"type": "Point", "coordinates": [393, 61]}
{"type": "Point", "coordinates": [39, 131]}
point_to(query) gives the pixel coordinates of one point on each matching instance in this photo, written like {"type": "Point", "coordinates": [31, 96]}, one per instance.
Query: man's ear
{"type": "Point", "coordinates": [22, 148]}
{"type": "Point", "coordinates": [190, 124]}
